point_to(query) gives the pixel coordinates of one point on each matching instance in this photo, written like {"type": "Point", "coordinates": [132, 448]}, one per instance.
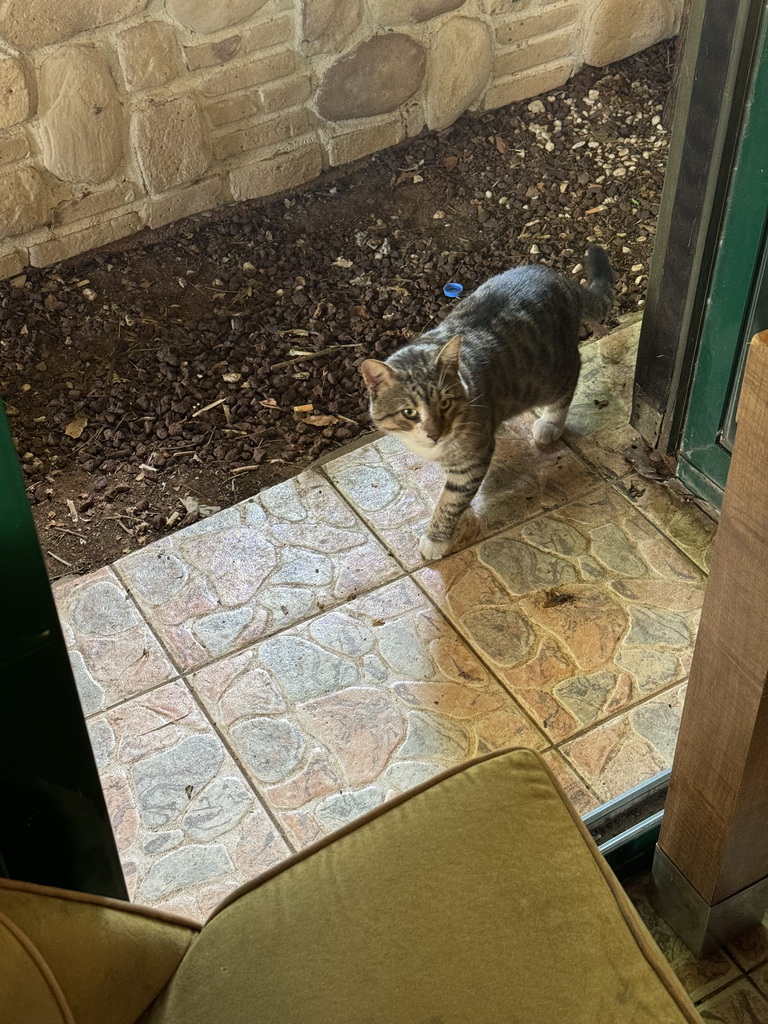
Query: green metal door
{"type": "Point", "coordinates": [54, 825]}
{"type": "Point", "coordinates": [737, 302]}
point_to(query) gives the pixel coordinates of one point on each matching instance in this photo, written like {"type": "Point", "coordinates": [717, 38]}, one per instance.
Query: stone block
{"type": "Point", "coordinates": [63, 247]}
{"type": "Point", "coordinates": [283, 95]}
{"type": "Point", "coordinates": [403, 12]}
{"type": "Point", "coordinates": [149, 54]}
{"type": "Point", "coordinates": [13, 146]}
{"type": "Point", "coordinates": [29, 24]}
{"type": "Point", "coordinates": [234, 108]}
{"type": "Point", "coordinates": [375, 78]}
{"type": "Point", "coordinates": [93, 204]}
{"type": "Point", "coordinates": [207, 55]}
{"type": "Point", "coordinates": [80, 116]}
{"type": "Point", "coordinates": [254, 72]}
{"type": "Point", "coordinates": [326, 24]}
{"type": "Point", "coordinates": [266, 34]}
{"type": "Point", "coordinates": [206, 16]}
{"type": "Point", "coordinates": [524, 86]}
{"type": "Point", "coordinates": [277, 173]}
{"type": "Point", "coordinates": [171, 143]}
{"type": "Point", "coordinates": [264, 133]}
{"type": "Point", "coordinates": [14, 94]}
{"type": "Point", "coordinates": [205, 195]}
{"type": "Point", "coordinates": [544, 50]}
{"type": "Point", "coordinates": [459, 69]}
{"type": "Point", "coordinates": [23, 201]}
{"type": "Point", "coordinates": [535, 23]}
{"type": "Point", "coordinates": [363, 141]}
{"type": "Point", "coordinates": [615, 29]}
{"type": "Point", "coordinates": [11, 264]}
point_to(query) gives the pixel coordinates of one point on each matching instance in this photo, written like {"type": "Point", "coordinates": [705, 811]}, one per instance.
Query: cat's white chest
{"type": "Point", "coordinates": [422, 447]}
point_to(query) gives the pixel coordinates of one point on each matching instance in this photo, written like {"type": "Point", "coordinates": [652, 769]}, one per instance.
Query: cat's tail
{"type": "Point", "coordinates": [598, 295]}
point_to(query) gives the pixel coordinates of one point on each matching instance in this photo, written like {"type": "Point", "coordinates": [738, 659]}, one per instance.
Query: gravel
{"type": "Point", "coordinates": [185, 369]}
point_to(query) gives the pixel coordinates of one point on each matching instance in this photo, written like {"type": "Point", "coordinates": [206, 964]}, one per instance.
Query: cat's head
{"type": "Point", "coordinates": [417, 395]}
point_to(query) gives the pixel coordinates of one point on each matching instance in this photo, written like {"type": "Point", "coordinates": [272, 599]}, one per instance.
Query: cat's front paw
{"type": "Point", "coordinates": [546, 432]}
{"type": "Point", "coordinates": [433, 549]}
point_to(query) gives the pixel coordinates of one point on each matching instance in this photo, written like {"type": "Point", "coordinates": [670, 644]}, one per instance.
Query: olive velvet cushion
{"type": "Point", "coordinates": [478, 897]}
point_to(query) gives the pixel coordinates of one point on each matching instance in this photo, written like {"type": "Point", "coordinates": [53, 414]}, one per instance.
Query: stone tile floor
{"type": "Point", "coordinates": [729, 986]}
{"type": "Point", "coordinates": [266, 675]}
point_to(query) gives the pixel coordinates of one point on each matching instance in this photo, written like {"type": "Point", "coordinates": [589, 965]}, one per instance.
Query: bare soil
{"type": "Point", "coordinates": [174, 372]}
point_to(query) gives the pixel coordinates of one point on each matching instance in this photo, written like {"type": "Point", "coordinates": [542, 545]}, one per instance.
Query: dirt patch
{"type": "Point", "coordinates": [151, 382]}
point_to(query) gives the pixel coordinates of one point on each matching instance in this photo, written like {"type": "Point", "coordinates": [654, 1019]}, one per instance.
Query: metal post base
{"type": "Point", "coordinates": [702, 927]}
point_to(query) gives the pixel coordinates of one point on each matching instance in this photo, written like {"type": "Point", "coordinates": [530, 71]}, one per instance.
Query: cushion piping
{"type": "Point", "coordinates": [40, 963]}
{"type": "Point", "coordinates": [100, 901]}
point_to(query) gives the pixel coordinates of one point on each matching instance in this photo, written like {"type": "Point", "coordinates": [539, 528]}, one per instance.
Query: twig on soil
{"type": "Point", "coordinates": [73, 533]}
{"type": "Point", "coordinates": [243, 469]}
{"type": "Point", "coordinates": [63, 561]}
{"type": "Point", "coordinates": [219, 401]}
{"type": "Point", "coordinates": [313, 355]}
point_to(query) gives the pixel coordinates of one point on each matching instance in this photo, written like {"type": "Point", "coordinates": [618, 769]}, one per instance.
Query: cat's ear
{"type": "Point", "coordinates": [375, 374]}
{"type": "Point", "coordinates": [448, 356]}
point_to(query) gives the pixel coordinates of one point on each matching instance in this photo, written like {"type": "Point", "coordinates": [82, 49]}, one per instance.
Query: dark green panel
{"type": "Point", "coordinates": [54, 825]}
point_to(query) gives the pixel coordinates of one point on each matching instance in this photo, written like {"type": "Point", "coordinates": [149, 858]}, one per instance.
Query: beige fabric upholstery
{"type": "Point", "coordinates": [107, 959]}
{"type": "Point", "coordinates": [478, 898]}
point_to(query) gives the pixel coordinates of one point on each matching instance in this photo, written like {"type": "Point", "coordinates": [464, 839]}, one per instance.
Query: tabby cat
{"type": "Point", "coordinates": [510, 346]}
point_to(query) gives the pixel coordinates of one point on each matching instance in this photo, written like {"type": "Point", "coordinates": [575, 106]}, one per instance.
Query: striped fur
{"type": "Point", "coordinates": [510, 346]}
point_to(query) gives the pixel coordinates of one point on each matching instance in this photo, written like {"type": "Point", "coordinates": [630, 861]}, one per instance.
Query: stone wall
{"type": "Point", "coordinates": [121, 114]}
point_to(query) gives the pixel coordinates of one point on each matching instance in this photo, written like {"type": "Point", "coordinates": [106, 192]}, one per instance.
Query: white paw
{"type": "Point", "coordinates": [545, 432]}
{"type": "Point", "coordinates": [433, 549]}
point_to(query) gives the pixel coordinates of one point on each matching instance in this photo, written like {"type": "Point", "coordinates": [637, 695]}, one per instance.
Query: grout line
{"type": "Point", "coordinates": [163, 646]}
{"type": "Point", "coordinates": [127, 700]}
{"type": "Point", "coordinates": [743, 976]}
{"type": "Point", "coordinates": [616, 715]}
{"type": "Point", "coordinates": [482, 659]}
{"type": "Point", "coordinates": [657, 528]}
{"type": "Point", "coordinates": [281, 831]}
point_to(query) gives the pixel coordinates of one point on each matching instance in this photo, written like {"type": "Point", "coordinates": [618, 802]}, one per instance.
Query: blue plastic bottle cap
{"type": "Point", "coordinates": [452, 289]}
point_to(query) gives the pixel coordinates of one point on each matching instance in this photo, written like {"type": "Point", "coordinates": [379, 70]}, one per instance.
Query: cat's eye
{"type": "Point", "coordinates": [445, 403]}
{"type": "Point", "coordinates": [410, 414]}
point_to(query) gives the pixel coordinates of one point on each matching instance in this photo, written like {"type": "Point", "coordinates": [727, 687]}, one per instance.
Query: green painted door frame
{"type": "Point", "coordinates": [736, 301]}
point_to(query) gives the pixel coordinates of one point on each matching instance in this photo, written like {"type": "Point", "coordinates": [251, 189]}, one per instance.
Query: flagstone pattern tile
{"type": "Point", "coordinates": [751, 947]}
{"type": "Point", "coordinates": [395, 491]}
{"type": "Point", "coordinates": [679, 518]}
{"type": "Point", "coordinates": [739, 1003]}
{"type": "Point", "coordinates": [335, 715]}
{"type": "Point", "coordinates": [582, 612]}
{"type": "Point", "coordinates": [189, 828]}
{"type": "Point", "coordinates": [598, 420]}
{"type": "Point", "coordinates": [701, 976]}
{"type": "Point", "coordinates": [631, 748]}
{"type": "Point", "coordinates": [220, 585]}
{"type": "Point", "coordinates": [113, 652]}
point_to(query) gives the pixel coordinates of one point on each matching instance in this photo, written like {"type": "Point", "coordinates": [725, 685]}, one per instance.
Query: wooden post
{"type": "Point", "coordinates": [710, 871]}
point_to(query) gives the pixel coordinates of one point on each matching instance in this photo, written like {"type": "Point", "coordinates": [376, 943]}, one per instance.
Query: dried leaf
{"type": "Point", "coordinates": [269, 403]}
{"type": "Point", "coordinates": [501, 145]}
{"type": "Point", "coordinates": [76, 426]}
{"type": "Point", "coordinates": [231, 378]}
{"type": "Point", "coordinates": [321, 421]}
{"type": "Point", "coordinates": [450, 162]}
